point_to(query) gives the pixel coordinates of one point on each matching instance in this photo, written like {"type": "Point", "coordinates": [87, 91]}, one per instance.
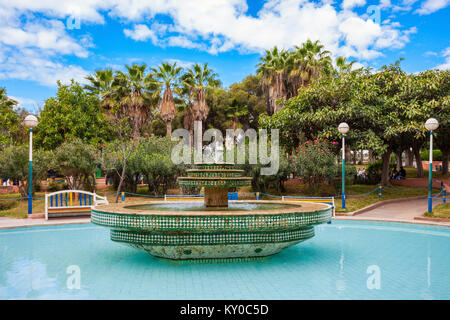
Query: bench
{"type": "Point", "coordinates": [68, 203]}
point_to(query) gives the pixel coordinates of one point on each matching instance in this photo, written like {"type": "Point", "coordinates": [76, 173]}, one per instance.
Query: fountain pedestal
{"type": "Point", "coordinates": [216, 197]}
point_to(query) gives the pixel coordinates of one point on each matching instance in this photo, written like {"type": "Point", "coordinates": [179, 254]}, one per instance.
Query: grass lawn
{"type": "Point", "coordinates": [440, 211]}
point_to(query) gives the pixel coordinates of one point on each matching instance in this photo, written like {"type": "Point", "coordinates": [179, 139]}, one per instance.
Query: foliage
{"type": "Point", "coordinates": [315, 163]}
{"type": "Point", "coordinates": [73, 113]}
{"type": "Point", "coordinates": [77, 162]}
{"type": "Point", "coordinates": [9, 118]}
{"type": "Point", "coordinates": [14, 164]}
{"type": "Point", "coordinates": [383, 109]}
{"type": "Point", "coordinates": [151, 159]}
{"type": "Point", "coordinates": [263, 183]}
{"type": "Point", "coordinates": [437, 155]}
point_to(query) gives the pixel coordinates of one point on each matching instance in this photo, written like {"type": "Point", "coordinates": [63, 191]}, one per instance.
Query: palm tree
{"type": "Point", "coordinates": [343, 66]}
{"type": "Point", "coordinates": [309, 62]}
{"type": "Point", "coordinates": [166, 76]}
{"type": "Point", "coordinates": [101, 84]}
{"type": "Point", "coordinates": [195, 82]}
{"type": "Point", "coordinates": [136, 94]}
{"type": "Point", "coordinates": [235, 111]}
{"type": "Point", "coordinates": [274, 67]}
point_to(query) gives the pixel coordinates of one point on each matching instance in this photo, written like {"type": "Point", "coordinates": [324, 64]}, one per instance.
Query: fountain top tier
{"type": "Point", "coordinates": [214, 175]}
{"type": "Point", "coordinates": [216, 178]}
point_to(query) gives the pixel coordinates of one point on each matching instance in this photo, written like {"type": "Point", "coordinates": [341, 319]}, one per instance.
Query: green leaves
{"type": "Point", "coordinates": [73, 113]}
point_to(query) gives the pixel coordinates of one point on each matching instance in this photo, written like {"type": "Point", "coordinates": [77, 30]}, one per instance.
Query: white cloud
{"type": "Point", "coordinates": [28, 104]}
{"type": "Point", "coordinates": [141, 32]}
{"type": "Point", "coordinates": [430, 6]}
{"type": "Point", "coordinates": [212, 26]}
{"type": "Point", "coordinates": [349, 4]}
{"type": "Point", "coordinates": [32, 65]}
{"type": "Point", "coordinates": [446, 64]}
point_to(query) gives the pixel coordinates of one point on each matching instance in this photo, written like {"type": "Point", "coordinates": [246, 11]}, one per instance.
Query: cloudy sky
{"type": "Point", "coordinates": [48, 40]}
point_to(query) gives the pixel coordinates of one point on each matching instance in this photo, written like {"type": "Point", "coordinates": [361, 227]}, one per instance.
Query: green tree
{"type": "Point", "coordinates": [167, 77]}
{"type": "Point", "coordinates": [76, 161]}
{"type": "Point", "coordinates": [14, 166]}
{"type": "Point", "coordinates": [73, 113]}
{"type": "Point", "coordinates": [9, 119]}
{"type": "Point", "coordinates": [196, 81]}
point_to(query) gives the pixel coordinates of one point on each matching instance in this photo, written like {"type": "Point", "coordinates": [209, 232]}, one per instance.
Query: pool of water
{"type": "Point", "coordinates": [345, 260]}
{"type": "Point", "coordinates": [199, 206]}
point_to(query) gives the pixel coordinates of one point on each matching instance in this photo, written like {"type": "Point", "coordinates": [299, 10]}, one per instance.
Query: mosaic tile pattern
{"type": "Point", "coordinates": [178, 239]}
{"type": "Point", "coordinates": [210, 223]}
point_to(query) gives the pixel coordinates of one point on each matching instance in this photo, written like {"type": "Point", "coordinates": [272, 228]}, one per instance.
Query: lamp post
{"type": "Point", "coordinates": [431, 125]}
{"type": "Point", "coordinates": [343, 129]}
{"type": "Point", "coordinates": [30, 122]}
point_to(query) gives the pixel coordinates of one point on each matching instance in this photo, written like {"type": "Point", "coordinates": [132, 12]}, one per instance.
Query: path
{"type": "Point", "coordinates": [403, 211]}
{"type": "Point", "coordinates": [6, 223]}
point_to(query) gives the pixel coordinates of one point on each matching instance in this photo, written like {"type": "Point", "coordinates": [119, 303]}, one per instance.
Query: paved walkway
{"type": "Point", "coordinates": [6, 223]}
{"type": "Point", "coordinates": [403, 211]}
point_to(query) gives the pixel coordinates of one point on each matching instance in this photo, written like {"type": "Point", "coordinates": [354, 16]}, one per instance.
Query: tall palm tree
{"type": "Point", "coordinates": [273, 68]}
{"type": "Point", "coordinates": [195, 82]}
{"type": "Point", "coordinates": [136, 93]}
{"type": "Point", "coordinates": [167, 76]}
{"type": "Point", "coordinates": [101, 84]}
{"type": "Point", "coordinates": [309, 62]}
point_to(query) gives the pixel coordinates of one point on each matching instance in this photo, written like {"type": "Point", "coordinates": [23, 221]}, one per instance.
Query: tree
{"type": "Point", "coordinates": [136, 93]}
{"type": "Point", "coordinates": [167, 77]}
{"type": "Point", "coordinates": [76, 161]}
{"type": "Point", "coordinates": [9, 119]}
{"type": "Point", "coordinates": [196, 81]}
{"type": "Point", "coordinates": [73, 113]}
{"type": "Point", "coordinates": [102, 85]}
{"type": "Point", "coordinates": [14, 165]}
{"type": "Point", "coordinates": [274, 68]}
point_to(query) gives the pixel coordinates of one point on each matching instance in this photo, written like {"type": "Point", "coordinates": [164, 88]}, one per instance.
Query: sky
{"type": "Point", "coordinates": [48, 40]}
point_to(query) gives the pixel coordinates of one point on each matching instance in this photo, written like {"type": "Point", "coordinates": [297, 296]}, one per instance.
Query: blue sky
{"type": "Point", "coordinates": [40, 41]}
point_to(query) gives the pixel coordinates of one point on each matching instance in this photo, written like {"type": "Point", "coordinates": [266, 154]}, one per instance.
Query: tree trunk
{"type": "Point", "coordinates": [385, 169]}
{"type": "Point", "coordinates": [361, 156]}
{"type": "Point", "coordinates": [169, 128]}
{"type": "Point", "coordinates": [371, 158]}
{"type": "Point", "coordinates": [445, 162]}
{"type": "Point", "coordinates": [399, 158]}
{"type": "Point", "coordinates": [416, 150]}
{"type": "Point", "coordinates": [410, 157]}
{"type": "Point", "coordinates": [348, 154]}
{"type": "Point", "coordinates": [122, 178]}
{"type": "Point", "coordinates": [354, 157]}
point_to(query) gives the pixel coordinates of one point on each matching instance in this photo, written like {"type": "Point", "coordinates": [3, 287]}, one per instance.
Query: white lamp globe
{"type": "Point", "coordinates": [431, 124]}
{"type": "Point", "coordinates": [343, 128]}
{"type": "Point", "coordinates": [30, 121]}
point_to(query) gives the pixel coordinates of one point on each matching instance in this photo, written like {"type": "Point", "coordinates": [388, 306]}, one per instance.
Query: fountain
{"type": "Point", "coordinates": [217, 228]}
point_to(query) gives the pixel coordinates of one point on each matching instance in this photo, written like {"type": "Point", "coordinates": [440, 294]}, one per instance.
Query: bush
{"type": "Point", "coordinates": [437, 155]}
{"type": "Point", "coordinates": [315, 163]}
{"type": "Point", "coordinates": [7, 204]}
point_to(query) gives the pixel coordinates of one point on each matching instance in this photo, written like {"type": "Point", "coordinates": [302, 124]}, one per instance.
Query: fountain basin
{"type": "Point", "coordinates": [190, 230]}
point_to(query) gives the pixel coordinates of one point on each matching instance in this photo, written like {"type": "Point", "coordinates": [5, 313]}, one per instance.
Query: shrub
{"type": "Point", "coordinates": [315, 162]}
{"type": "Point", "coordinates": [437, 155]}
{"type": "Point", "coordinates": [7, 204]}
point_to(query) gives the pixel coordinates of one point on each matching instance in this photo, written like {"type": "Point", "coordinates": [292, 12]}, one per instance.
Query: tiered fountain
{"type": "Point", "coordinates": [216, 228]}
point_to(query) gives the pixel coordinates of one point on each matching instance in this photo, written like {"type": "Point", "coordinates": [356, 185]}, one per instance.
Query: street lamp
{"type": "Point", "coordinates": [431, 125]}
{"type": "Point", "coordinates": [343, 129]}
{"type": "Point", "coordinates": [30, 122]}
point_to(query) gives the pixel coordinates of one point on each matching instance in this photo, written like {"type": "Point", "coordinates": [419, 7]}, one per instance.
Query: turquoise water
{"type": "Point", "coordinates": [410, 262]}
{"type": "Point", "coordinates": [199, 206]}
